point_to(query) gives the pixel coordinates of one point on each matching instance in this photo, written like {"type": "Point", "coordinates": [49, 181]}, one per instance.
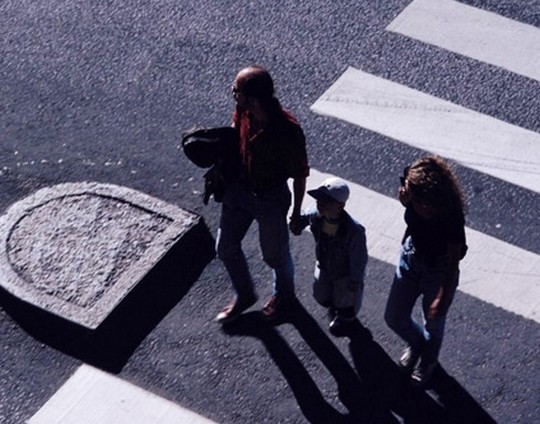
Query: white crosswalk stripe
{"type": "Point", "coordinates": [92, 396]}
{"type": "Point", "coordinates": [494, 271]}
{"type": "Point", "coordinates": [475, 140]}
{"type": "Point", "coordinates": [472, 32]}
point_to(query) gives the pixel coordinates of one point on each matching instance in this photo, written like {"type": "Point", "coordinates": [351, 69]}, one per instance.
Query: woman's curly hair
{"type": "Point", "coordinates": [432, 181]}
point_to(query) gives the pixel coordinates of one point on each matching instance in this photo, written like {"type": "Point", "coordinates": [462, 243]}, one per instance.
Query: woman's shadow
{"type": "Point", "coordinates": [374, 391]}
{"type": "Point", "coordinates": [442, 400]}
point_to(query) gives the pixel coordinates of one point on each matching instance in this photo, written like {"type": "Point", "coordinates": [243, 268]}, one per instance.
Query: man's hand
{"type": "Point", "coordinates": [296, 224]}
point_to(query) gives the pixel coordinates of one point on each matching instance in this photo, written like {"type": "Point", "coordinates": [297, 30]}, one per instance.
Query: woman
{"type": "Point", "coordinates": [433, 244]}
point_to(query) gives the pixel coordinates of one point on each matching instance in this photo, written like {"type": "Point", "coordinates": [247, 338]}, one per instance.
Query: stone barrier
{"type": "Point", "coordinates": [91, 259]}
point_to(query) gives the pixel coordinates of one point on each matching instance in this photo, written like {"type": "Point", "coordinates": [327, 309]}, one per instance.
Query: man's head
{"type": "Point", "coordinates": [331, 197]}
{"type": "Point", "coordinates": [253, 84]}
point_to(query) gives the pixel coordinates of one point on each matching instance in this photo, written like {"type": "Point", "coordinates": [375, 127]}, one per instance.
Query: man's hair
{"type": "Point", "coordinates": [258, 83]}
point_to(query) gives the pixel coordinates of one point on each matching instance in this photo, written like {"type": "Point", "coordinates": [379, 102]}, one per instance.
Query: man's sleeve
{"type": "Point", "coordinates": [299, 159]}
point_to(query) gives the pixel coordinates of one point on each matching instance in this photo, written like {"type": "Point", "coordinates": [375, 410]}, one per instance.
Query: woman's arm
{"type": "Point", "coordinates": [439, 304]}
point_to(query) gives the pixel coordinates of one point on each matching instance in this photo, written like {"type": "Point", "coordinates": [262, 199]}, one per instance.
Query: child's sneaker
{"type": "Point", "coordinates": [341, 325]}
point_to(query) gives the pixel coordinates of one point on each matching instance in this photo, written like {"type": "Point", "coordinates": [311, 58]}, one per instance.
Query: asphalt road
{"type": "Point", "coordinates": [101, 91]}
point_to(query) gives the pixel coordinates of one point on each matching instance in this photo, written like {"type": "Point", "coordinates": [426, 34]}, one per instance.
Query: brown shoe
{"type": "Point", "coordinates": [234, 309]}
{"type": "Point", "coordinates": [278, 307]}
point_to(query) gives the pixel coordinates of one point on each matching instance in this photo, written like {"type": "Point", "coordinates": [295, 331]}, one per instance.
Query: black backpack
{"type": "Point", "coordinates": [219, 150]}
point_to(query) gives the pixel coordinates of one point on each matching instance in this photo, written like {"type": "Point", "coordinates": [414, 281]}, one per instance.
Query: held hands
{"type": "Point", "coordinates": [296, 224]}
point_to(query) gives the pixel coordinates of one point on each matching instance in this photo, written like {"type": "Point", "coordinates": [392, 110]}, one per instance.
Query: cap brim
{"type": "Point", "coordinates": [319, 194]}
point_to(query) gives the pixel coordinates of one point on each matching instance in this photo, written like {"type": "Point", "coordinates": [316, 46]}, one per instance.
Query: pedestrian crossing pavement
{"type": "Point", "coordinates": [479, 142]}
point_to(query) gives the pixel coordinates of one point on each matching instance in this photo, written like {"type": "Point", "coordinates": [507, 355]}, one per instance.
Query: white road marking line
{"type": "Point", "coordinates": [472, 32]}
{"type": "Point", "coordinates": [92, 396]}
{"type": "Point", "coordinates": [493, 271]}
{"type": "Point", "coordinates": [477, 141]}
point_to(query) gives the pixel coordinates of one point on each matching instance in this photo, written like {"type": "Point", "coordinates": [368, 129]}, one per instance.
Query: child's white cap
{"type": "Point", "coordinates": [331, 189]}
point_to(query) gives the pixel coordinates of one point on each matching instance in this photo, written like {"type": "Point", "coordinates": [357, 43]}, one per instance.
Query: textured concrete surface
{"type": "Point", "coordinates": [76, 250]}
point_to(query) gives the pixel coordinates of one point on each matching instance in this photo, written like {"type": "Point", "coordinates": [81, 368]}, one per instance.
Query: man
{"type": "Point", "coordinates": [272, 147]}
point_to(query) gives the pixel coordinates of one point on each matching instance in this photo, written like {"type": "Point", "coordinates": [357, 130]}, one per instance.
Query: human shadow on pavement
{"type": "Point", "coordinates": [352, 392]}
{"type": "Point", "coordinates": [458, 403]}
{"type": "Point", "coordinates": [112, 343]}
{"type": "Point", "coordinates": [443, 400]}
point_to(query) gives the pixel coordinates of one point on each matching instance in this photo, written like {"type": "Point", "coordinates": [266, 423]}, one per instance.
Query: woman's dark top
{"type": "Point", "coordinates": [430, 236]}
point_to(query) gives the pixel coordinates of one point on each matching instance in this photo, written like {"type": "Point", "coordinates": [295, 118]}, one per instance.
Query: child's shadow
{"type": "Point", "coordinates": [351, 390]}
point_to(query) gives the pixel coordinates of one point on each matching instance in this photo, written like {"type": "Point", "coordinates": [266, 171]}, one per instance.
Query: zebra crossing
{"type": "Point", "coordinates": [477, 141]}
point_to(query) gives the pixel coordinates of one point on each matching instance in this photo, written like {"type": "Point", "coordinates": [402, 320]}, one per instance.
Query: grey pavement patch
{"type": "Point", "coordinates": [76, 250]}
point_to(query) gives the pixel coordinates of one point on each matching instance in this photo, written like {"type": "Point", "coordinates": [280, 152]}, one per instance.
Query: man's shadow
{"type": "Point", "coordinates": [352, 392]}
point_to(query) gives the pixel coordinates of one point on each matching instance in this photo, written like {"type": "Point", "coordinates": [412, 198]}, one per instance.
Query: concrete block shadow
{"type": "Point", "coordinates": [112, 343]}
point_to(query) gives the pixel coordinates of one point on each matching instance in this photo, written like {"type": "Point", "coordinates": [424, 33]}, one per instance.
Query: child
{"type": "Point", "coordinates": [341, 254]}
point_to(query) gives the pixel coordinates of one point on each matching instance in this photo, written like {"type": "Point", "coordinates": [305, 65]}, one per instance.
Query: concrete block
{"type": "Point", "coordinates": [91, 259]}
